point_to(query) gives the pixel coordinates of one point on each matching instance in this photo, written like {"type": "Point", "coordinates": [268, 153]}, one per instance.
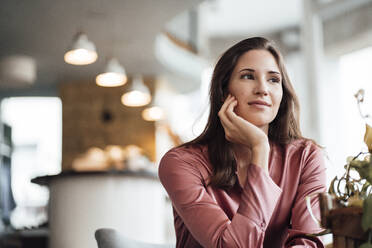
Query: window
{"type": "Point", "coordinates": [36, 124]}
{"type": "Point", "coordinates": [356, 74]}
{"type": "Point", "coordinates": [344, 127]}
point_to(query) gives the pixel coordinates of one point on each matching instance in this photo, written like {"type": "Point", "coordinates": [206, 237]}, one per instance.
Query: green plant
{"type": "Point", "coordinates": [351, 191]}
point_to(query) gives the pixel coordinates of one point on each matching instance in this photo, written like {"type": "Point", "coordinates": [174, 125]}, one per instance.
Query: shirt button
{"type": "Point", "coordinates": [263, 225]}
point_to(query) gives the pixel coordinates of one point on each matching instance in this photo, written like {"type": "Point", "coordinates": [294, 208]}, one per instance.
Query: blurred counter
{"type": "Point", "coordinates": [45, 180]}
{"type": "Point", "coordinates": [81, 202]}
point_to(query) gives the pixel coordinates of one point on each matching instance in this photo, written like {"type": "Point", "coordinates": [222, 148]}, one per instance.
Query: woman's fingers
{"type": "Point", "coordinates": [230, 110]}
{"type": "Point", "coordinates": [237, 129]}
{"type": "Point", "coordinates": [225, 104]}
{"type": "Point", "coordinates": [222, 112]}
{"type": "Point", "coordinates": [235, 119]}
{"type": "Point", "coordinates": [225, 122]}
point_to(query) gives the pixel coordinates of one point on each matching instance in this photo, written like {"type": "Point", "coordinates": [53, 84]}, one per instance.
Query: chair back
{"type": "Point", "coordinates": [110, 238]}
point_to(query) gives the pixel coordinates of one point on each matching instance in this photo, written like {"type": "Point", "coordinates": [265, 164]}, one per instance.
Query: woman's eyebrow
{"type": "Point", "coordinates": [247, 69]}
{"type": "Point", "coordinates": [274, 72]}
{"type": "Point", "coordinates": [251, 70]}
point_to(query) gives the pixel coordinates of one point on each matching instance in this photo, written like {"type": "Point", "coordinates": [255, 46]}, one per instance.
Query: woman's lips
{"type": "Point", "coordinates": [259, 104]}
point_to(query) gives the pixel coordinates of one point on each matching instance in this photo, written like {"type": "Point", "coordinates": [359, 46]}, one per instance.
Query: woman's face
{"type": "Point", "coordinates": [256, 83]}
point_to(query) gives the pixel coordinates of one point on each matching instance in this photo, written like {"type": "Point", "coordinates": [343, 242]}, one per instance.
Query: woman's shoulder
{"type": "Point", "coordinates": [186, 153]}
{"type": "Point", "coordinates": [191, 159]}
{"type": "Point", "coordinates": [302, 149]}
{"type": "Point", "coordinates": [306, 151]}
{"type": "Point", "coordinates": [304, 145]}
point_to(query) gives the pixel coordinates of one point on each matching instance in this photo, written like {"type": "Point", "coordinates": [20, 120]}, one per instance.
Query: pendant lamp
{"type": "Point", "coordinates": [82, 51]}
{"type": "Point", "coordinates": [153, 113]}
{"type": "Point", "coordinates": [113, 76]}
{"type": "Point", "coordinates": [137, 95]}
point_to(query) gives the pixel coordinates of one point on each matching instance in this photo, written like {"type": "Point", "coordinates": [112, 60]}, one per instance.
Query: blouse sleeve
{"type": "Point", "coordinates": [204, 218]}
{"type": "Point", "coordinates": [312, 181]}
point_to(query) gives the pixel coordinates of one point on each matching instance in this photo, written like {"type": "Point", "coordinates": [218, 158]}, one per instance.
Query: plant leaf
{"type": "Point", "coordinates": [364, 168]}
{"type": "Point", "coordinates": [363, 191]}
{"type": "Point", "coordinates": [368, 137]}
{"type": "Point", "coordinates": [331, 189]}
{"type": "Point", "coordinates": [367, 213]}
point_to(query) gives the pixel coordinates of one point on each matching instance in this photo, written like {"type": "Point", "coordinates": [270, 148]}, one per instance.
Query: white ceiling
{"type": "Point", "coordinates": [126, 29]}
{"type": "Point", "coordinates": [43, 29]}
{"type": "Point", "coordinates": [226, 18]}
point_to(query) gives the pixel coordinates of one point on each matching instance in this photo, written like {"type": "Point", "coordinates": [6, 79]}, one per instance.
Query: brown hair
{"type": "Point", "coordinates": [282, 130]}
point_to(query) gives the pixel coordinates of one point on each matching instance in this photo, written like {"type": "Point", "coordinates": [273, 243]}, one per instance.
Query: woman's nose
{"type": "Point", "coordinates": [261, 87]}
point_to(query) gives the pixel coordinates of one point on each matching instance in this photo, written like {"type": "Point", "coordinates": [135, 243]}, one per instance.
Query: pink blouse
{"type": "Point", "coordinates": [269, 211]}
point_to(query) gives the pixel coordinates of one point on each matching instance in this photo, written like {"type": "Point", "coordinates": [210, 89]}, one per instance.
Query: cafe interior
{"type": "Point", "coordinates": [93, 93]}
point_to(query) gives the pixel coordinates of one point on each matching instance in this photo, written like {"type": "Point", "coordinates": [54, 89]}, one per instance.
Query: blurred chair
{"type": "Point", "coordinates": [110, 238]}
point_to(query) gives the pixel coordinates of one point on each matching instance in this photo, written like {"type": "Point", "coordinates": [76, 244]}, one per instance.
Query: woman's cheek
{"type": "Point", "coordinates": [239, 109]}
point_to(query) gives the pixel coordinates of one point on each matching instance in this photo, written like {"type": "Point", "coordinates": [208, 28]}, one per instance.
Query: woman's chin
{"type": "Point", "coordinates": [258, 122]}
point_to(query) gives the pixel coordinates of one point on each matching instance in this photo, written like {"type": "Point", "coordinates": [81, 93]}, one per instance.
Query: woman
{"type": "Point", "coordinates": [243, 181]}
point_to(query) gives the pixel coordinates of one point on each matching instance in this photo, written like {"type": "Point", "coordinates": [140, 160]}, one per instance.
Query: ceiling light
{"type": "Point", "coordinates": [113, 76]}
{"type": "Point", "coordinates": [153, 113]}
{"type": "Point", "coordinates": [82, 51]}
{"type": "Point", "coordinates": [17, 71]}
{"type": "Point", "coordinates": [137, 95]}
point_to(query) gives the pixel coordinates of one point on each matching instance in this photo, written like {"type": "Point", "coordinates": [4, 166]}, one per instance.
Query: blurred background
{"type": "Point", "coordinates": [93, 93]}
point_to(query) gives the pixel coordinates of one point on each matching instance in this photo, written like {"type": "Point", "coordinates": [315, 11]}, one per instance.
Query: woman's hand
{"type": "Point", "coordinates": [239, 131]}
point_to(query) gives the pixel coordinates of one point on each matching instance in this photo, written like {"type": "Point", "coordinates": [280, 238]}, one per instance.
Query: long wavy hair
{"type": "Point", "coordinates": [282, 130]}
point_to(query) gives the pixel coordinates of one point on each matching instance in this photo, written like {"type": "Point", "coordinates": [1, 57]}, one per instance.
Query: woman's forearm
{"type": "Point", "coordinates": [260, 156]}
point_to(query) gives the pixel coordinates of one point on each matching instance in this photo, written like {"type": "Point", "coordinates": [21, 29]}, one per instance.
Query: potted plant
{"type": "Point", "coordinates": [346, 211]}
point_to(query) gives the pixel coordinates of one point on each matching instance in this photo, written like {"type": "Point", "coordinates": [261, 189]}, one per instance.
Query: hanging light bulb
{"type": "Point", "coordinates": [82, 52]}
{"type": "Point", "coordinates": [138, 94]}
{"type": "Point", "coordinates": [153, 113]}
{"type": "Point", "coordinates": [113, 76]}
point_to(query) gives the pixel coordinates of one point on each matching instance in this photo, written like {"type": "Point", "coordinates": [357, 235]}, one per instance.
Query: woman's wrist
{"type": "Point", "coordinates": [260, 156]}
{"type": "Point", "coordinates": [263, 146]}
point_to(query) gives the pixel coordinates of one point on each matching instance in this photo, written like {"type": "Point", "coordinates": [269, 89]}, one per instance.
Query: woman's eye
{"type": "Point", "coordinates": [246, 76]}
{"type": "Point", "coordinates": [274, 80]}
